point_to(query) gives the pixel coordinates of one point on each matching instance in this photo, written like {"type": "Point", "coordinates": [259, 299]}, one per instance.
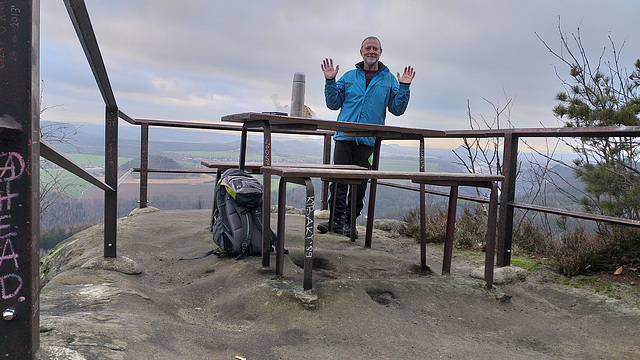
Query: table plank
{"type": "Point", "coordinates": [353, 129]}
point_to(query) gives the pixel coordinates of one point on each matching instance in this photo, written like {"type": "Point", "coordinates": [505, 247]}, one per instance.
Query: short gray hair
{"type": "Point", "coordinates": [369, 38]}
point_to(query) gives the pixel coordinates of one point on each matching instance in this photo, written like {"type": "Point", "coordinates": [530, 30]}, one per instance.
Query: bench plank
{"type": "Point", "coordinates": [414, 176]}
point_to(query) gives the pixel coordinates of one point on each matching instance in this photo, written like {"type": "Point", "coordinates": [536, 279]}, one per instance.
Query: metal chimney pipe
{"type": "Point", "coordinates": [297, 95]}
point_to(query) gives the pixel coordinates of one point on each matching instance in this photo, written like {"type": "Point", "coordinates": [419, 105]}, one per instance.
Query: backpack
{"type": "Point", "coordinates": [237, 216]}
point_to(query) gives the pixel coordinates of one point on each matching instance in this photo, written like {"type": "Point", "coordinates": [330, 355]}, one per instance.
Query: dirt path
{"type": "Point", "coordinates": [371, 303]}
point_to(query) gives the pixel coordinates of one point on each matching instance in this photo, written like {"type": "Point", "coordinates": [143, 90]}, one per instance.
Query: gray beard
{"type": "Point", "coordinates": [370, 62]}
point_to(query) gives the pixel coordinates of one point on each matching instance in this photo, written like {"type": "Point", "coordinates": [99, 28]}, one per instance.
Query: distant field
{"type": "Point", "coordinates": [73, 185]}
{"type": "Point", "coordinates": [93, 160]}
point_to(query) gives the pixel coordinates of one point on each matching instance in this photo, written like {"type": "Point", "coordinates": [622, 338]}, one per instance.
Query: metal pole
{"type": "Point", "coordinates": [308, 236]}
{"type": "Point", "coordinates": [505, 221]}
{"type": "Point", "coordinates": [266, 195]}
{"type": "Point", "coordinates": [19, 178]}
{"type": "Point", "coordinates": [451, 225]}
{"type": "Point", "coordinates": [491, 236]}
{"type": "Point", "coordinates": [423, 210]}
{"type": "Point", "coordinates": [144, 164]}
{"type": "Point", "coordinates": [372, 194]}
{"type": "Point", "coordinates": [297, 95]}
{"type": "Point", "coordinates": [326, 159]}
{"type": "Point", "coordinates": [111, 179]}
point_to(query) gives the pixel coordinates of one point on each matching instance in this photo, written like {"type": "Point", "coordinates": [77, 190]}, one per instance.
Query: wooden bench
{"type": "Point", "coordinates": [254, 168]}
{"type": "Point", "coordinates": [303, 176]}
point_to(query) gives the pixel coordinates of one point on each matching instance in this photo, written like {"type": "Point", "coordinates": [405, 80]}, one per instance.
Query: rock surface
{"type": "Point", "coordinates": [365, 304]}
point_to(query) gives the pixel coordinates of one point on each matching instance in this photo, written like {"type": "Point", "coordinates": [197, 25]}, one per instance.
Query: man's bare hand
{"type": "Point", "coordinates": [329, 71]}
{"type": "Point", "coordinates": [407, 76]}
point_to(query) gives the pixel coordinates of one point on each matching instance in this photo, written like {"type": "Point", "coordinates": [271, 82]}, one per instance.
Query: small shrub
{"type": "Point", "coordinates": [471, 229]}
{"type": "Point", "coordinates": [577, 252]}
{"type": "Point", "coordinates": [531, 240]}
{"type": "Point", "coordinates": [436, 225]}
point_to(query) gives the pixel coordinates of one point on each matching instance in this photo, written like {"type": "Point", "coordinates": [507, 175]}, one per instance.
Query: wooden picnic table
{"type": "Point", "coordinates": [269, 122]}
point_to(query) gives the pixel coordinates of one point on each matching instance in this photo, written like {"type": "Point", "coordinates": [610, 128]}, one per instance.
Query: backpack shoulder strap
{"type": "Point", "coordinates": [214, 251]}
{"type": "Point", "coordinates": [257, 218]}
{"type": "Point", "coordinates": [247, 228]}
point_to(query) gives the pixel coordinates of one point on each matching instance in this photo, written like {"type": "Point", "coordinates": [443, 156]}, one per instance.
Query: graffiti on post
{"type": "Point", "coordinates": [308, 251]}
{"type": "Point", "coordinates": [12, 166]}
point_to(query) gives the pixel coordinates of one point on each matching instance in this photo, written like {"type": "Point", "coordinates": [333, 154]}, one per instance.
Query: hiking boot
{"type": "Point", "coordinates": [323, 227]}
{"type": "Point", "coordinates": [346, 231]}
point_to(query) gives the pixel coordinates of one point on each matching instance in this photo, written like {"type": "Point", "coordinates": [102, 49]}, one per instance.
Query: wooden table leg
{"type": "Point", "coordinates": [491, 236]}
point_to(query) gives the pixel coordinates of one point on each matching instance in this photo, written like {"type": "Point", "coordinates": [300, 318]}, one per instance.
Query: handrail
{"type": "Point", "coordinates": [177, 171]}
{"type": "Point", "coordinates": [125, 176]}
{"type": "Point", "coordinates": [50, 153]}
{"type": "Point", "coordinates": [82, 24]}
{"type": "Point", "coordinates": [433, 192]}
{"type": "Point", "coordinates": [127, 118]}
{"type": "Point", "coordinates": [545, 209]}
{"type": "Point", "coordinates": [601, 131]}
{"type": "Point", "coordinates": [578, 215]}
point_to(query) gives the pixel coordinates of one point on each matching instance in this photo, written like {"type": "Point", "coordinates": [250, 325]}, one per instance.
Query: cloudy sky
{"type": "Point", "coordinates": [199, 60]}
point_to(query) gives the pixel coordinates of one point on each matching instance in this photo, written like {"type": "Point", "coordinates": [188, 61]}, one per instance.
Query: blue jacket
{"type": "Point", "coordinates": [361, 104]}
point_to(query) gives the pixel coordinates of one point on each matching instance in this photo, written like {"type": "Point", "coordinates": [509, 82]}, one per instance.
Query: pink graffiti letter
{"type": "Point", "coordinates": [13, 166]}
{"type": "Point", "coordinates": [4, 283]}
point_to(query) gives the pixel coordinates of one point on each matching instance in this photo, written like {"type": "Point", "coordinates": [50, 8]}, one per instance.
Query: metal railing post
{"type": "Point", "coordinates": [505, 221]}
{"type": "Point", "coordinates": [144, 164]}
{"type": "Point", "coordinates": [111, 179]}
{"type": "Point", "coordinates": [326, 159]}
{"type": "Point", "coordinates": [19, 178]}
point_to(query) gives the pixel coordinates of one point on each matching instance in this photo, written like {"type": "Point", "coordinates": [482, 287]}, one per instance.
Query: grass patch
{"type": "Point", "coordinates": [525, 263]}
{"type": "Point", "coordinates": [93, 160]}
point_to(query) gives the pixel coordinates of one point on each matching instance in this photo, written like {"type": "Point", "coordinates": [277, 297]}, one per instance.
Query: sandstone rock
{"type": "Point", "coordinates": [502, 275]}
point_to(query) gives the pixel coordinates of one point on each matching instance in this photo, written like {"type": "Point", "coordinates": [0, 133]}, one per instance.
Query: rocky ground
{"type": "Point", "coordinates": [365, 303]}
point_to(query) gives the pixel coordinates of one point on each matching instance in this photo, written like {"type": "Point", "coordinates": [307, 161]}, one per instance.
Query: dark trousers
{"type": "Point", "coordinates": [349, 153]}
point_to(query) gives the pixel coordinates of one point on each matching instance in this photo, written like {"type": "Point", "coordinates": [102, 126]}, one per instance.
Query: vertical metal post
{"type": "Point", "coordinates": [326, 159]}
{"type": "Point", "coordinates": [308, 236]}
{"type": "Point", "coordinates": [282, 204]}
{"type": "Point", "coordinates": [144, 164]}
{"type": "Point", "coordinates": [451, 223]}
{"type": "Point", "coordinates": [19, 178]}
{"type": "Point", "coordinates": [423, 215]}
{"type": "Point", "coordinates": [505, 221]}
{"type": "Point", "coordinates": [266, 195]}
{"type": "Point", "coordinates": [243, 146]}
{"type": "Point", "coordinates": [372, 194]}
{"type": "Point", "coordinates": [491, 236]}
{"type": "Point", "coordinates": [111, 179]}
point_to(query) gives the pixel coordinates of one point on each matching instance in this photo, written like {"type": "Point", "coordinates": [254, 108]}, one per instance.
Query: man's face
{"type": "Point", "coordinates": [370, 52]}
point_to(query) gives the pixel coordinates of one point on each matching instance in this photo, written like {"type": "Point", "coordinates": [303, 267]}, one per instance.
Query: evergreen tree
{"type": "Point", "coordinates": [602, 94]}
